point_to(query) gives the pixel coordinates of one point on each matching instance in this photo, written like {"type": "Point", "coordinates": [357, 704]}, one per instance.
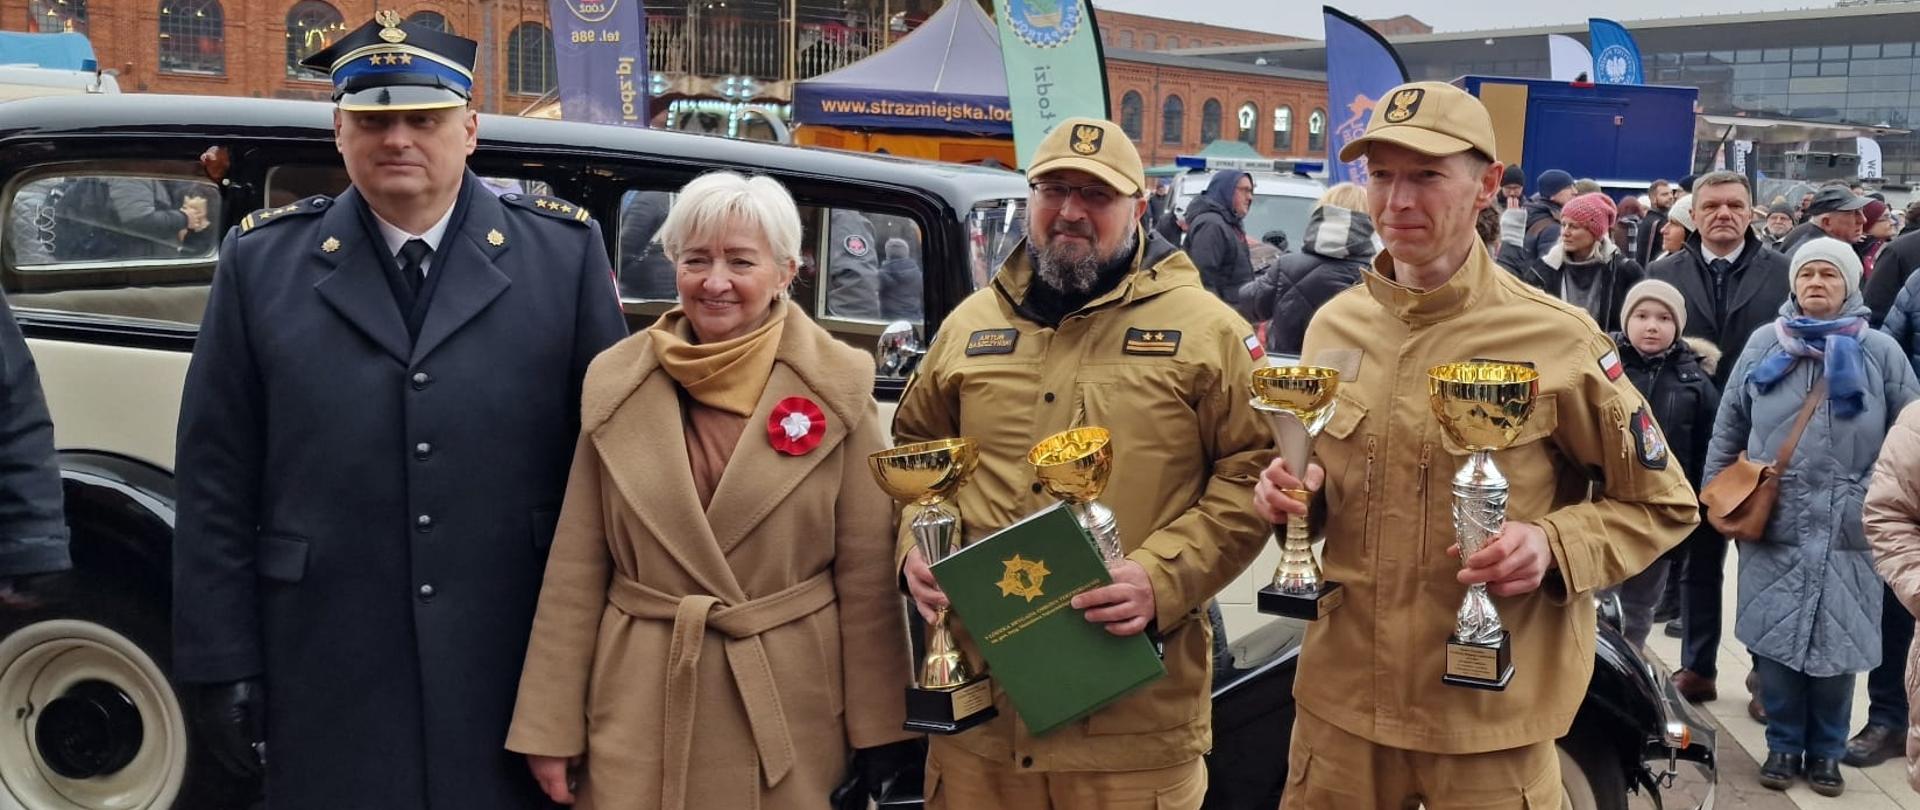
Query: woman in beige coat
{"type": "Point", "coordinates": [719, 625]}
{"type": "Point", "coordinates": [1891, 517]}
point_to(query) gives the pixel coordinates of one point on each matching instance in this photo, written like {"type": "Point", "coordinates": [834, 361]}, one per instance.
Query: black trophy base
{"type": "Point", "coordinates": [1310, 607]}
{"type": "Point", "coordinates": [1480, 666]}
{"type": "Point", "coordinates": [950, 711]}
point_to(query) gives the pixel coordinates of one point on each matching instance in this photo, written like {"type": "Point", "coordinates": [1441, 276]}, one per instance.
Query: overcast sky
{"type": "Point", "coordinates": [1302, 17]}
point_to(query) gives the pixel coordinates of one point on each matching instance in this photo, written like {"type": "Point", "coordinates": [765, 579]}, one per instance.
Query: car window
{"type": "Point", "coordinates": [134, 240]}
{"type": "Point", "coordinates": [855, 265]}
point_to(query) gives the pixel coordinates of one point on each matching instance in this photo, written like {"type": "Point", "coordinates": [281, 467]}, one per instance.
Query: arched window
{"type": "Point", "coordinates": [431, 19]}
{"type": "Point", "coordinates": [1151, 42]}
{"type": "Point", "coordinates": [1317, 132]}
{"type": "Point", "coordinates": [192, 36]}
{"type": "Point", "coordinates": [1173, 121]}
{"type": "Point", "coordinates": [1249, 120]}
{"type": "Point", "coordinates": [530, 69]}
{"type": "Point", "coordinates": [1126, 39]}
{"type": "Point", "coordinates": [1283, 128]}
{"type": "Point", "coordinates": [1130, 114]}
{"type": "Point", "coordinates": [1172, 42]}
{"type": "Point", "coordinates": [1209, 121]}
{"type": "Point", "coordinates": [312, 25]}
{"type": "Point", "coordinates": [57, 16]}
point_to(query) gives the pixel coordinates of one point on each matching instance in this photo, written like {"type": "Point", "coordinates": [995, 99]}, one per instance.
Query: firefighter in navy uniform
{"type": "Point", "coordinates": [374, 440]}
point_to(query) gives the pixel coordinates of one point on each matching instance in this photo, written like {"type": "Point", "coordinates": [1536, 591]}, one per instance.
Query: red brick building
{"type": "Point", "coordinates": [1119, 29]}
{"type": "Point", "coordinates": [1175, 105]}
{"type": "Point", "coordinates": [251, 48]}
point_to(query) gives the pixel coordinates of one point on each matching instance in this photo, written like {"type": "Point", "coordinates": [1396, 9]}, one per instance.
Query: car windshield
{"type": "Point", "coordinates": [993, 227]}
{"type": "Point", "coordinates": [1274, 212]}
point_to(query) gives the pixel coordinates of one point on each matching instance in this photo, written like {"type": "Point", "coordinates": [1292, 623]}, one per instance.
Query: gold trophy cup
{"type": "Point", "coordinates": [1297, 402]}
{"type": "Point", "coordinates": [1073, 466]}
{"type": "Point", "coordinates": [946, 699]}
{"type": "Point", "coordinates": [1482, 406]}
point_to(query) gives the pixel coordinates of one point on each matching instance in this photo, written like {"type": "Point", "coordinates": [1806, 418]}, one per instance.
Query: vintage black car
{"type": "Point", "coordinates": [110, 303]}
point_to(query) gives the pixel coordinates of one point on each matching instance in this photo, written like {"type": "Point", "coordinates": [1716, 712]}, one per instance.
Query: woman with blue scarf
{"type": "Point", "coordinates": [1809, 601]}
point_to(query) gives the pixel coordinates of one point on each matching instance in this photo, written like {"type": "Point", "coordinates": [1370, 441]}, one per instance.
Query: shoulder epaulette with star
{"type": "Point", "coordinates": [311, 205]}
{"type": "Point", "coordinates": [550, 206]}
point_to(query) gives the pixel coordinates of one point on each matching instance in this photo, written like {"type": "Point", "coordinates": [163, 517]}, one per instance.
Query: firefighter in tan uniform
{"type": "Point", "coordinates": [1594, 495]}
{"type": "Point", "coordinates": [1095, 321]}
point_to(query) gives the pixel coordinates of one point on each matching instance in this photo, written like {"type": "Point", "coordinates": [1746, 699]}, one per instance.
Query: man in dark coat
{"type": "Point", "coordinates": [1660, 197]}
{"type": "Point", "coordinates": [1554, 188]}
{"type": "Point", "coordinates": [1890, 271]}
{"type": "Point", "coordinates": [645, 271]}
{"type": "Point", "coordinates": [901, 284]}
{"type": "Point", "coordinates": [1834, 211]}
{"type": "Point", "coordinates": [374, 441]}
{"type": "Point", "coordinates": [1216, 241]}
{"type": "Point", "coordinates": [33, 526]}
{"type": "Point", "coordinates": [1338, 246]}
{"type": "Point", "coordinates": [1733, 285]}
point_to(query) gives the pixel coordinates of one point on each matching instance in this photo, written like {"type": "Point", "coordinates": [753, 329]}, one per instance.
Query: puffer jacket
{"type": "Point", "coordinates": [1543, 226]}
{"type": "Point", "coordinates": [1892, 518]}
{"type": "Point", "coordinates": [1808, 596]}
{"type": "Point", "coordinates": [1215, 241]}
{"type": "Point", "coordinates": [1337, 247]}
{"type": "Point", "coordinates": [1678, 385]}
{"type": "Point", "coordinates": [1604, 276]}
{"type": "Point", "coordinates": [1903, 321]}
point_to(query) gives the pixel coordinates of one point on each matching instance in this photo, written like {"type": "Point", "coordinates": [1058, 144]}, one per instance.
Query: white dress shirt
{"type": "Point", "coordinates": [397, 238]}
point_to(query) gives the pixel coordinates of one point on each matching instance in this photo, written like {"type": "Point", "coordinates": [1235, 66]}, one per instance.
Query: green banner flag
{"type": "Point", "coordinates": [1055, 70]}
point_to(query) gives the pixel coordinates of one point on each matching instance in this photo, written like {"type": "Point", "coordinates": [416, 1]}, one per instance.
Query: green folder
{"type": "Point", "coordinates": [1013, 590]}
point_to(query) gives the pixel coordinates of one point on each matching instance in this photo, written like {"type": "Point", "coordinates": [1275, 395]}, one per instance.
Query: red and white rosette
{"type": "Point", "coordinates": [796, 426]}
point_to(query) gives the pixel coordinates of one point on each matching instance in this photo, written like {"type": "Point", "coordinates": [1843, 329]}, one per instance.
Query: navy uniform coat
{"type": "Point", "coordinates": [364, 519]}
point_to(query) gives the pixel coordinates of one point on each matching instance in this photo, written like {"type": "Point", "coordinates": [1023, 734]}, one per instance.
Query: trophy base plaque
{"type": "Point", "coordinates": [1308, 607]}
{"type": "Point", "coordinates": [950, 711]}
{"type": "Point", "coordinates": [1480, 666]}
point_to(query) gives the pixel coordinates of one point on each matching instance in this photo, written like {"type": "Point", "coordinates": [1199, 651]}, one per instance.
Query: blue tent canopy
{"type": "Point", "coordinates": [946, 76]}
{"type": "Point", "coordinates": [69, 51]}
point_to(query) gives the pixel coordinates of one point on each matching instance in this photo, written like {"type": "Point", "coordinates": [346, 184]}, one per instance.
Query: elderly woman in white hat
{"type": "Point", "coordinates": [1809, 601]}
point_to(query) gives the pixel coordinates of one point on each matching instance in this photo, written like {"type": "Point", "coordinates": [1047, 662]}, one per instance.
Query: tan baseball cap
{"type": "Point", "coordinates": [1432, 118]}
{"type": "Point", "coordinates": [1097, 147]}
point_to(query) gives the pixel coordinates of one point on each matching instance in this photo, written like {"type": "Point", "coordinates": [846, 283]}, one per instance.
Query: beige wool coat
{"type": "Point", "coordinates": [1891, 517]}
{"type": "Point", "coordinates": [726, 657]}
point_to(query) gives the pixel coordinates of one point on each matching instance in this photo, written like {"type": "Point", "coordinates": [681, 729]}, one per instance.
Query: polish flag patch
{"type": "Point", "coordinates": [1254, 349]}
{"type": "Point", "coordinates": [1610, 365]}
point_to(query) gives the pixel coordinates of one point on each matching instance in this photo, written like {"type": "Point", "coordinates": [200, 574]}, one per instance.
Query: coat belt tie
{"type": "Point", "coordinates": [753, 678]}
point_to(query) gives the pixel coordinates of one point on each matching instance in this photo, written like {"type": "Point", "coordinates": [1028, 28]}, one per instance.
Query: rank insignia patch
{"type": "Point", "coordinates": [1163, 342]}
{"type": "Point", "coordinates": [1648, 445]}
{"type": "Point", "coordinates": [1610, 365]}
{"type": "Point", "coordinates": [992, 341]}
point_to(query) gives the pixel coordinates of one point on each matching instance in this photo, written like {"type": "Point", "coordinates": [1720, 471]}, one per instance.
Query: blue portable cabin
{"type": "Point", "coordinates": [1625, 136]}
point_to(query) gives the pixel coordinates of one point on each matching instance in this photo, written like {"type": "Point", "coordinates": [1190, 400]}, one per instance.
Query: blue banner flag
{"type": "Point", "coordinates": [1616, 58]}
{"type": "Point", "coordinates": [1361, 67]}
{"type": "Point", "coordinates": [600, 52]}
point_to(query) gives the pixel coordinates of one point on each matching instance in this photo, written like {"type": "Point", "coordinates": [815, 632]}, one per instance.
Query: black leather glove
{"type": "Point", "coordinates": [874, 771]}
{"type": "Point", "coordinates": [231, 718]}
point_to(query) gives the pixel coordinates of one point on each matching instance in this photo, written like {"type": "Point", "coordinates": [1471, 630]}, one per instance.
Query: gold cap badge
{"type": "Point", "coordinates": [1404, 104]}
{"type": "Point", "coordinates": [390, 26]}
{"type": "Point", "coordinates": [1086, 139]}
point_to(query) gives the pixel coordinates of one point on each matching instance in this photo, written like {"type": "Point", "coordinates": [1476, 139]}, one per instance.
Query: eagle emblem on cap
{"type": "Point", "coordinates": [1404, 104]}
{"type": "Point", "coordinates": [389, 21]}
{"type": "Point", "coordinates": [1086, 138]}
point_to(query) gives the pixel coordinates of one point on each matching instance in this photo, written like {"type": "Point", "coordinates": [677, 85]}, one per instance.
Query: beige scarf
{"type": "Point", "coordinates": [727, 375]}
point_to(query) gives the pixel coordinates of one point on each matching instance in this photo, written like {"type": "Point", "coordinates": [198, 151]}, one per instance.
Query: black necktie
{"type": "Point", "coordinates": [413, 257]}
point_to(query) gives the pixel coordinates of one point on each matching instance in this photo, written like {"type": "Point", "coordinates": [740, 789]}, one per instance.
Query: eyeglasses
{"type": "Point", "coordinates": [1053, 196]}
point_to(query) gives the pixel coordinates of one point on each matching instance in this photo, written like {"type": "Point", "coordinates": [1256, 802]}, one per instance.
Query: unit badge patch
{"type": "Point", "coordinates": [1649, 446]}
{"type": "Point", "coordinates": [992, 341]}
{"type": "Point", "coordinates": [857, 245]}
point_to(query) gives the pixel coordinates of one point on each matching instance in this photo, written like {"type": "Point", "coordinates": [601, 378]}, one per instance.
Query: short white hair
{"type": "Point", "coordinates": [718, 202]}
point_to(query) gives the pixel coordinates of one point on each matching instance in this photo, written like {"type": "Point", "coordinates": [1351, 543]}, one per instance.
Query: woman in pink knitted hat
{"type": "Point", "coordinates": [1586, 269]}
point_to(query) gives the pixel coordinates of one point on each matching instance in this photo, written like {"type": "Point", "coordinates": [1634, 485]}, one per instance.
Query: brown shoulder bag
{"type": "Point", "coordinates": [1740, 499]}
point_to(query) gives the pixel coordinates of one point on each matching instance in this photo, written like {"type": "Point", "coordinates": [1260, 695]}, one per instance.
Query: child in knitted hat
{"type": "Point", "coordinates": [1676, 377]}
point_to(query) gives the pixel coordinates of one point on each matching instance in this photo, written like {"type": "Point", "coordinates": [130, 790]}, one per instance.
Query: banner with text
{"type": "Point", "coordinates": [1055, 70]}
{"type": "Point", "coordinates": [1616, 57]}
{"type": "Point", "coordinates": [1361, 67]}
{"type": "Point", "coordinates": [600, 53]}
